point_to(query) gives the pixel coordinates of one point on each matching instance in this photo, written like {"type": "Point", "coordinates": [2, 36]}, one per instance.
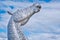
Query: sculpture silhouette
{"type": "Point", "coordinates": [20, 18]}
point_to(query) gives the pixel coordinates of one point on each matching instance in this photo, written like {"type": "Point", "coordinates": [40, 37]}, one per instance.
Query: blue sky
{"type": "Point", "coordinates": [27, 0]}
{"type": "Point", "coordinates": [44, 25]}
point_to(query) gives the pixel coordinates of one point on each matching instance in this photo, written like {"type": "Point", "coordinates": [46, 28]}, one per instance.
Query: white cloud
{"type": "Point", "coordinates": [3, 36]}
{"type": "Point", "coordinates": [44, 36]}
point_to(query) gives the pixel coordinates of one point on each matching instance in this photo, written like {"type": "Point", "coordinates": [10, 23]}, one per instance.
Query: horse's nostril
{"type": "Point", "coordinates": [38, 6]}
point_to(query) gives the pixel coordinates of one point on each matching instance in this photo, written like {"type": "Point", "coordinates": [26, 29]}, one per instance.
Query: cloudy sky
{"type": "Point", "coordinates": [44, 25]}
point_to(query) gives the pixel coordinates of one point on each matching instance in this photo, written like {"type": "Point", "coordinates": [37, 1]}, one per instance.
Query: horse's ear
{"type": "Point", "coordinates": [9, 13]}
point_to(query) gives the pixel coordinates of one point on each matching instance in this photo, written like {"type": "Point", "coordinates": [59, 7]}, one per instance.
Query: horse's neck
{"type": "Point", "coordinates": [14, 31]}
{"type": "Point", "coordinates": [19, 31]}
